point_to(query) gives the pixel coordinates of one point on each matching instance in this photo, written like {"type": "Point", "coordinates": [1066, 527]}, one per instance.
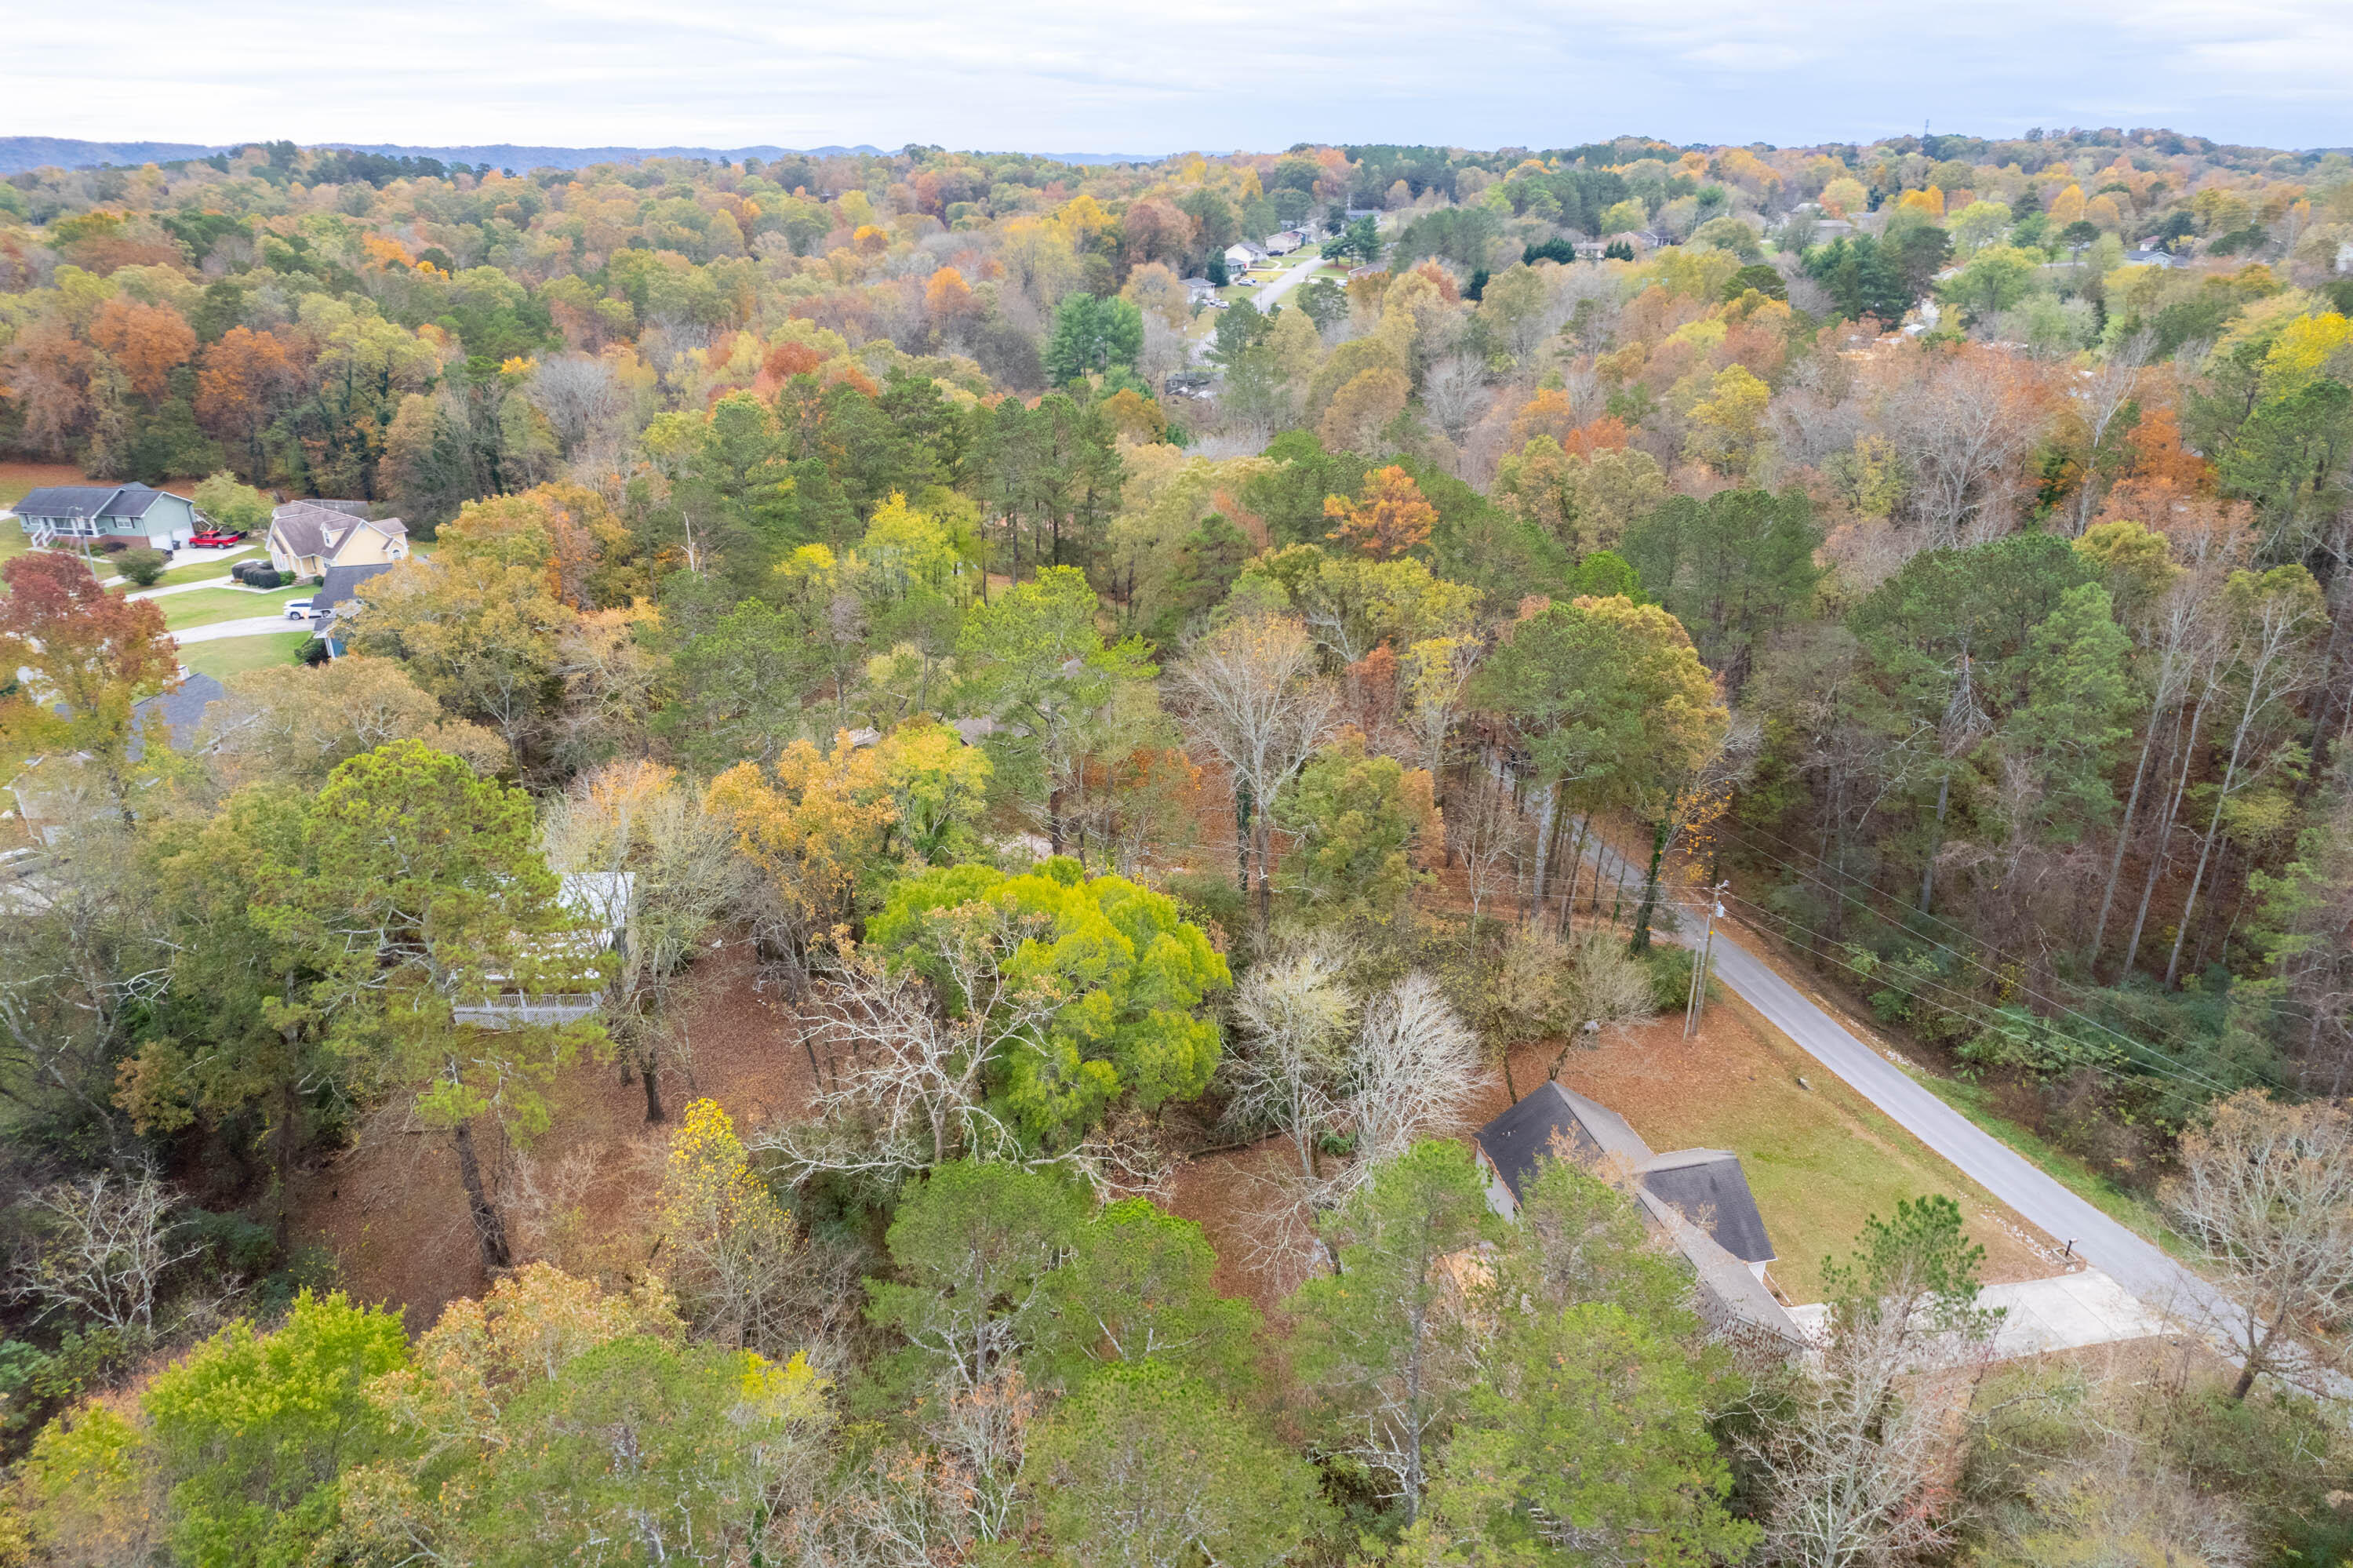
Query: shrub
{"type": "Point", "coordinates": [114, 546]}
{"type": "Point", "coordinates": [265, 577]}
{"type": "Point", "coordinates": [142, 566]}
{"type": "Point", "coordinates": [1670, 968]}
{"type": "Point", "coordinates": [314, 652]}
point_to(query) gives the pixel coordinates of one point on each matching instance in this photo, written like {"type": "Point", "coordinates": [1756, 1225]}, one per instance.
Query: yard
{"type": "Point", "coordinates": [215, 564]}
{"type": "Point", "coordinates": [232, 654]}
{"type": "Point", "coordinates": [205, 606]}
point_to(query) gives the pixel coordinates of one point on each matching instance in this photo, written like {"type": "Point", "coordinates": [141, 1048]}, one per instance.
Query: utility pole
{"type": "Point", "coordinates": [1696, 1003]}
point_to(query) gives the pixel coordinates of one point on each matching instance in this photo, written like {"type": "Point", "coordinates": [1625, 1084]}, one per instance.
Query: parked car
{"type": "Point", "coordinates": [218, 539]}
{"type": "Point", "coordinates": [299, 609]}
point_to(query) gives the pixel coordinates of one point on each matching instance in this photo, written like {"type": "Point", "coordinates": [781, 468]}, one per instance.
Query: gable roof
{"type": "Point", "coordinates": [1516, 1140]}
{"type": "Point", "coordinates": [340, 581]}
{"type": "Point", "coordinates": [89, 501]}
{"type": "Point", "coordinates": [322, 527]}
{"type": "Point", "coordinates": [1705, 1187]}
{"type": "Point", "coordinates": [1709, 1187]}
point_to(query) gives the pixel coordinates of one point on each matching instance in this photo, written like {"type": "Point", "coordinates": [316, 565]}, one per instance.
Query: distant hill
{"type": "Point", "coordinates": [51, 152]}
{"type": "Point", "coordinates": [18, 153]}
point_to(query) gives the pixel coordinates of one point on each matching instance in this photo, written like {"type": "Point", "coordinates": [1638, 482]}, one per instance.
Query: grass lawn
{"type": "Point", "coordinates": [225, 658]}
{"type": "Point", "coordinates": [1821, 1160]}
{"type": "Point", "coordinates": [205, 606]}
{"type": "Point", "coordinates": [2119, 1203]}
{"type": "Point", "coordinates": [217, 566]}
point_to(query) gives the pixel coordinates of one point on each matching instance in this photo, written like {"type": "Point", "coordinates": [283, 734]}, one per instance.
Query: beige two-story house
{"type": "Point", "coordinates": [306, 538]}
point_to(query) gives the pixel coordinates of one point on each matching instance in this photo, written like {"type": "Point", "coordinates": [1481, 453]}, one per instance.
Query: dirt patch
{"type": "Point", "coordinates": [392, 1212]}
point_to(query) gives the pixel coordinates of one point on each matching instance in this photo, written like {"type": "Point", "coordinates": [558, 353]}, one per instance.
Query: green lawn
{"type": "Point", "coordinates": [205, 606]}
{"type": "Point", "coordinates": [217, 567]}
{"type": "Point", "coordinates": [225, 658]}
{"type": "Point", "coordinates": [2120, 1204]}
{"type": "Point", "coordinates": [1821, 1160]}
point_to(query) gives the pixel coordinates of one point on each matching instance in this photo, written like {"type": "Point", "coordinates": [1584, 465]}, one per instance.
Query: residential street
{"type": "Point", "coordinates": [1274, 292]}
{"type": "Point", "coordinates": [2136, 1264]}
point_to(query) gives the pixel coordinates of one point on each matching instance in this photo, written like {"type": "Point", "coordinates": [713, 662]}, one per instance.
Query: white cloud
{"type": "Point", "coordinates": [1059, 75]}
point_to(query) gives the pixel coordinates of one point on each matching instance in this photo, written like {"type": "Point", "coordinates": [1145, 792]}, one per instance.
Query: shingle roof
{"type": "Point", "coordinates": [1516, 1140]}
{"type": "Point", "coordinates": [1709, 1187]}
{"type": "Point", "coordinates": [88, 501]}
{"type": "Point", "coordinates": [340, 581]}
{"type": "Point", "coordinates": [322, 527]}
{"type": "Point", "coordinates": [302, 527]}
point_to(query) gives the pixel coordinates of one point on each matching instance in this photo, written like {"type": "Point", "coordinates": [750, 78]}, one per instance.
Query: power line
{"type": "Point", "coordinates": [1973, 1010]}
{"type": "Point", "coordinates": [2052, 1002]}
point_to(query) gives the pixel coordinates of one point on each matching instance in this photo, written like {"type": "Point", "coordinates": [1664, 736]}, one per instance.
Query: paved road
{"type": "Point", "coordinates": [1273, 291]}
{"type": "Point", "coordinates": [2136, 1264]}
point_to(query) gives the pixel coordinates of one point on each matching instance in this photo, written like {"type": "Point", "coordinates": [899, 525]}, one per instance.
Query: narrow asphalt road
{"type": "Point", "coordinates": [1274, 292]}
{"type": "Point", "coordinates": [2136, 1264]}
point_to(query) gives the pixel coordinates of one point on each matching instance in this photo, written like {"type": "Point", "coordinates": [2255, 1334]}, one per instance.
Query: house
{"type": "Point", "coordinates": [52, 793]}
{"type": "Point", "coordinates": [306, 538]}
{"type": "Point", "coordinates": [1284, 241]}
{"type": "Point", "coordinates": [85, 514]}
{"type": "Point", "coordinates": [2149, 256]}
{"type": "Point", "coordinates": [602, 902]}
{"type": "Point", "coordinates": [1199, 291]}
{"type": "Point", "coordinates": [1242, 256]}
{"type": "Point", "coordinates": [1697, 1198]}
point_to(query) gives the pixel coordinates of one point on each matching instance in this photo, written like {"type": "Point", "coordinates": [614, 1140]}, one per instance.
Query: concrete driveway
{"type": "Point", "coordinates": [253, 625]}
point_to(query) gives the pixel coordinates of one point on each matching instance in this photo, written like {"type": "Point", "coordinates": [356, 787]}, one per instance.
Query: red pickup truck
{"type": "Point", "coordinates": [218, 539]}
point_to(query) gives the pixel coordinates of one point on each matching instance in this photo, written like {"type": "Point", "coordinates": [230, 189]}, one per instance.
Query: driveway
{"type": "Point", "coordinates": [252, 626]}
{"type": "Point", "coordinates": [2136, 1265]}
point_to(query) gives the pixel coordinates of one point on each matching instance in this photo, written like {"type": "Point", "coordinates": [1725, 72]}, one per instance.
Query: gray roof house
{"type": "Point", "coordinates": [307, 539]}
{"type": "Point", "coordinates": [86, 514]}
{"type": "Point", "coordinates": [1697, 1197]}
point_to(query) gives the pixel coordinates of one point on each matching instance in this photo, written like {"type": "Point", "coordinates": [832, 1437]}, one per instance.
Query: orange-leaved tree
{"type": "Point", "coordinates": [1389, 518]}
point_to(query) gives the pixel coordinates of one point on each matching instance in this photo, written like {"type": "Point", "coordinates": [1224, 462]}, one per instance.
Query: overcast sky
{"type": "Point", "coordinates": [1059, 75]}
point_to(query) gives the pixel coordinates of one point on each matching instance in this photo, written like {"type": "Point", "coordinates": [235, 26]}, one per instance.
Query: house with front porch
{"type": "Point", "coordinates": [83, 516]}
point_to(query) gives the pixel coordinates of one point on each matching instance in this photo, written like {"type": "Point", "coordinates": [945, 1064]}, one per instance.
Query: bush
{"type": "Point", "coordinates": [113, 546]}
{"type": "Point", "coordinates": [265, 577]}
{"type": "Point", "coordinates": [143, 567]}
{"type": "Point", "coordinates": [1670, 968]}
{"type": "Point", "coordinates": [314, 652]}
{"type": "Point", "coordinates": [1210, 897]}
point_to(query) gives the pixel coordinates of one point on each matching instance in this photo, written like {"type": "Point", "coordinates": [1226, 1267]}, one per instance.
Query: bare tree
{"type": "Point", "coordinates": [1251, 694]}
{"type": "Point", "coordinates": [1962, 424]}
{"type": "Point", "coordinates": [1608, 989]}
{"type": "Point", "coordinates": [2266, 1193]}
{"type": "Point", "coordinates": [1294, 1013]}
{"type": "Point", "coordinates": [580, 396]}
{"type": "Point", "coordinates": [102, 1248]}
{"type": "Point", "coordinates": [901, 1085]}
{"type": "Point", "coordinates": [1856, 1463]}
{"type": "Point", "coordinates": [1487, 833]}
{"type": "Point", "coordinates": [2100, 397]}
{"type": "Point", "coordinates": [634, 817]}
{"type": "Point", "coordinates": [1455, 392]}
{"type": "Point", "coordinates": [1414, 1071]}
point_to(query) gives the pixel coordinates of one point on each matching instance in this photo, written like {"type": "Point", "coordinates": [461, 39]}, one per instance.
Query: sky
{"type": "Point", "coordinates": [1212, 76]}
